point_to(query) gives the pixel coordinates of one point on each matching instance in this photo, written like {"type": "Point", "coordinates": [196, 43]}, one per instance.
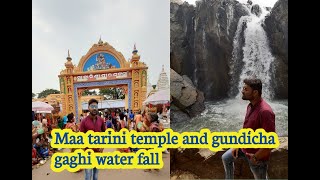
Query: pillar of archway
{"type": "Point", "coordinates": [139, 80]}
{"type": "Point", "coordinates": [124, 90]}
{"type": "Point", "coordinates": [66, 87]}
{"type": "Point", "coordinates": [79, 100]}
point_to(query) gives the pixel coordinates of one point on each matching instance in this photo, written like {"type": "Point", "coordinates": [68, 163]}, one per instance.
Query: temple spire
{"type": "Point", "coordinates": [69, 58]}
{"type": "Point", "coordinates": [100, 42]}
{"type": "Point", "coordinates": [134, 49]}
{"type": "Point", "coordinates": [163, 80]}
{"type": "Point", "coordinates": [135, 57]}
{"type": "Point", "coordinates": [69, 64]}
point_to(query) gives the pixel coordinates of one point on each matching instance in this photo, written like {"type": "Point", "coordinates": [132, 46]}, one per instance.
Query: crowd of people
{"type": "Point", "coordinates": [141, 121]}
{"type": "Point", "coordinates": [41, 135]}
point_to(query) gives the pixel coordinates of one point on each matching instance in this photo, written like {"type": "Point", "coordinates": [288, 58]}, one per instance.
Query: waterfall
{"type": "Point", "coordinates": [257, 58]}
{"type": "Point", "coordinates": [236, 62]}
{"type": "Point", "coordinates": [195, 71]}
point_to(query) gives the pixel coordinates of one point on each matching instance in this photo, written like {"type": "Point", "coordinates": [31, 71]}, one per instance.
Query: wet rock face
{"type": "Point", "coordinates": [208, 165]}
{"type": "Point", "coordinates": [276, 27]}
{"type": "Point", "coordinates": [201, 40]}
{"type": "Point", "coordinates": [180, 37]}
{"type": "Point", "coordinates": [268, 9]}
{"type": "Point", "coordinates": [255, 9]}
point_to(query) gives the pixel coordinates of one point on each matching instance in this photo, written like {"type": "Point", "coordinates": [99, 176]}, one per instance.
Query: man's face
{"type": "Point", "coordinates": [93, 108]}
{"type": "Point", "coordinates": [247, 93]}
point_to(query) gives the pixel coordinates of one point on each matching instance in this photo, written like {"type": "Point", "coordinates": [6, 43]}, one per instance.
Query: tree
{"type": "Point", "coordinates": [115, 93]}
{"type": "Point", "coordinates": [46, 92]}
{"type": "Point", "coordinates": [88, 92]}
{"type": "Point", "coordinates": [33, 95]}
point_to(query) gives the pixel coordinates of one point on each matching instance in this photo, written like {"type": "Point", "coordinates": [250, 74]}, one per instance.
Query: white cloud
{"type": "Point", "coordinates": [37, 22]}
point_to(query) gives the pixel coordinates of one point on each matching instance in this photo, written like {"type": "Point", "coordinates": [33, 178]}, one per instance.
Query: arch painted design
{"type": "Point", "coordinates": [101, 61]}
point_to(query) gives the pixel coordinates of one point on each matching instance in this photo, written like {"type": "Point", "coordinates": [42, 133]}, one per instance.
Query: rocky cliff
{"type": "Point", "coordinates": [201, 43]}
{"type": "Point", "coordinates": [276, 27]}
{"type": "Point", "coordinates": [201, 40]}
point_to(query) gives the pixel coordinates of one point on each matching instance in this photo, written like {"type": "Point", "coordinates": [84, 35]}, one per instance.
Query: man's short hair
{"type": "Point", "coordinates": [254, 83]}
{"type": "Point", "coordinates": [121, 115]}
{"type": "Point", "coordinates": [92, 101]}
{"type": "Point", "coordinates": [70, 116]}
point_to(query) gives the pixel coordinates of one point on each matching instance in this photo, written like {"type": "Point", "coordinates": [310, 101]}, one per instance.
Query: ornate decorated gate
{"type": "Point", "coordinates": [103, 66]}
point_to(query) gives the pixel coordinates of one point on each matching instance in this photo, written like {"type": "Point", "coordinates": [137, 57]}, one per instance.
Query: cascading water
{"type": "Point", "coordinates": [251, 56]}
{"type": "Point", "coordinates": [195, 71]}
{"type": "Point", "coordinates": [257, 57]}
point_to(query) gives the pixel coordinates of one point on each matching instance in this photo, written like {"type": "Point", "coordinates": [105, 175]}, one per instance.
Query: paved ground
{"type": "Point", "coordinates": [44, 172]}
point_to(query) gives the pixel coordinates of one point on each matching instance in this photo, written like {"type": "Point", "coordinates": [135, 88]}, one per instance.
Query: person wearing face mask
{"type": "Point", "coordinates": [95, 123]}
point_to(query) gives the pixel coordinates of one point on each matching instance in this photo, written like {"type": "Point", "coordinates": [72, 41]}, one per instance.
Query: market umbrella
{"type": "Point", "coordinates": [159, 97]}
{"type": "Point", "coordinates": [41, 106]}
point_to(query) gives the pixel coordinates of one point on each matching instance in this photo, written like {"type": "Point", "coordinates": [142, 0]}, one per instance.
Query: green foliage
{"type": "Point", "coordinates": [46, 92]}
{"type": "Point", "coordinates": [89, 92]}
{"type": "Point", "coordinates": [115, 93]}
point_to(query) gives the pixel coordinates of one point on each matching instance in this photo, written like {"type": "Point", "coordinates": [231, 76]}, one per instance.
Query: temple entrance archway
{"type": "Point", "coordinates": [103, 66]}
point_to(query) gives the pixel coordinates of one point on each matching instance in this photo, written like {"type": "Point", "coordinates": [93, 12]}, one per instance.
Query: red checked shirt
{"type": "Point", "coordinates": [97, 126]}
{"type": "Point", "coordinates": [259, 116]}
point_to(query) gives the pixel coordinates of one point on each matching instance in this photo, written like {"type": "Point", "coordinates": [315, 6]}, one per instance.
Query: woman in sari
{"type": "Point", "coordinates": [71, 125]}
